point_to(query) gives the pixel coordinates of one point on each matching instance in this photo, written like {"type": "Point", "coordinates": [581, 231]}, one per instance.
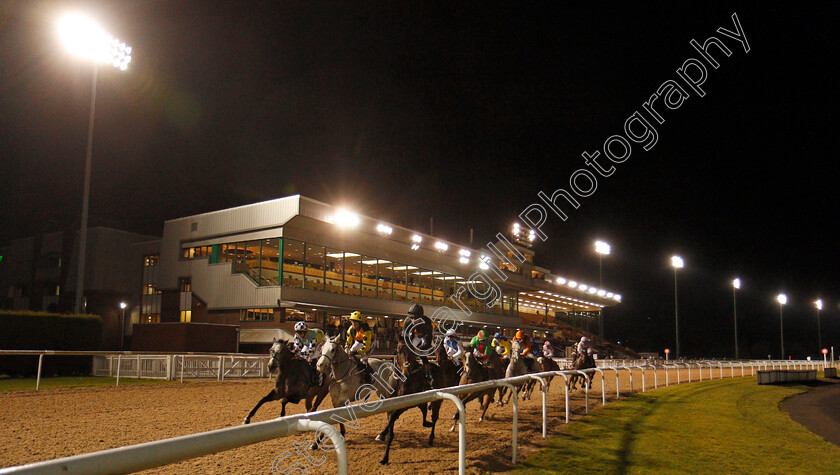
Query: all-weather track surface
{"type": "Point", "coordinates": [818, 410]}
{"type": "Point", "coordinates": [57, 423]}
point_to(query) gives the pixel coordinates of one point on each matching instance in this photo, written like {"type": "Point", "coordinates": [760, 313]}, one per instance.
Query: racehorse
{"type": "Point", "coordinates": [516, 367]}
{"type": "Point", "coordinates": [475, 372]}
{"type": "Point", "coordinates": [581, 362]}
{"type": "Point", "coordinates": [345, 378]}
{"type": "Point", "coordinates": [415, 381]}
{"type": "Point", "coordinates": [294, 381]}
{"type": "Point", "coordinates": [547, 364]}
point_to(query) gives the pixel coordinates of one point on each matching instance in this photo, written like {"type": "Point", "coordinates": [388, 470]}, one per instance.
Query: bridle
{"type": "Point", "coordinates": [347, 373]}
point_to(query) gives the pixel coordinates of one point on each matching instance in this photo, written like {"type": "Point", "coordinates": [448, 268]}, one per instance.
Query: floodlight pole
{"type": "Point", "coordinates": [735, 316]}
{"type": "Point", "coordinates": [80, 276]}
{"type": "Point", "coordinates": [782, 329]}
{"type": "Point", "coordinates": [676, 317]}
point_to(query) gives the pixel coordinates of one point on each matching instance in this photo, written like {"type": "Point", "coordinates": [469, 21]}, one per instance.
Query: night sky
{"type": "Point", "coordinates": [461, 112]}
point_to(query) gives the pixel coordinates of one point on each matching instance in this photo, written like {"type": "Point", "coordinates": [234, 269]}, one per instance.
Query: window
{"type": "Point", "coordinates": [186, 316]}
{"type": "Point", "coordinates": [251, 260]}
{"type": "Point", "coordinates": [270, 262]}
{"type": "Point", "coordinates": [185, 284]}
{"type": "Point", "coordinates": [334, 271]}
{"type": "Point", "coordinates": [399, 281]}
{"type": "Point", "coordinates": [150, 318]}
{"type": "Point", "coordinates": [292, 263]}
{"type": "Point", "coordinates": [352, 273]}
{"type": "Point", "coordinates": [256, 315]}
{"type": "Point", "coordinates": [314, 267]}
{"type": "Point", "coordinates": [150, 289]}
{"type": "Point", "coordinates": [151, 260]}
{"type": "Point", "coordinates": [369, 276]}
{"type": "Point", "coordinates": [385, 279]}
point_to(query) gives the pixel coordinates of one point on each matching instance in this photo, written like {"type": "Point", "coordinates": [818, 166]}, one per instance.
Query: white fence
{"type": "Point", "coordinates": [153, 454]}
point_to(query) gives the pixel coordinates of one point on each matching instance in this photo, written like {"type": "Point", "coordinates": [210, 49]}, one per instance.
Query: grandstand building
{"type": "Point", "coordinates": [260, 268]}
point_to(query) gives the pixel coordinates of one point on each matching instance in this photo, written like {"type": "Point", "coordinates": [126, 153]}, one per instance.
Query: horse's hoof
{"type": "Point", "coordinates": [379, 438]}
{"type": "Point", "coordinates": [383, 462]}
{"type": "Point", "coordinates": [314, 446]}
{"type": "Point", "coordinates": [427, 424]}
{"type": "Point", "coordinates": [246, 421]}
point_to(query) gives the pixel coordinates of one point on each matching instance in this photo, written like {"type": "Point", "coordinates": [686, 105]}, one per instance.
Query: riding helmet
{"type": "Point", "coordinates": [416, 310]}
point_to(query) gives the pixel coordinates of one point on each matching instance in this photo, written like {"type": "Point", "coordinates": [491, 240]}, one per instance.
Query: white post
{"type": "Point", "coordinates": [617, 389]}
{"type": "Point", "coordinates": [335, 437]}
{"type": "Point", "coordinates": [182, 369]}
{"type": "Point", "coordinates": [40, 362]}
{"type": "Point", "coordinates": [219, 375]}
{"type": "Point", "coordinates": [544, 405]}
{"type": "Point", "coordinates": [462, 430]}
{"type": "Point", "coordinates": [119, 364]}
{"type": "Point", "coordinates": [667, 377]}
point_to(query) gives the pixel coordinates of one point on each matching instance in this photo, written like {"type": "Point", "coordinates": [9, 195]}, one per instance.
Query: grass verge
{"type": "Point", "coordinates": [24, 384]}
{"type": "Point", "coordinates": [723, 426]}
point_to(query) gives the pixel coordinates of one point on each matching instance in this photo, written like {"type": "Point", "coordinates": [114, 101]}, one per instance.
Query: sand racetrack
{"type": "Point", "coordinates": [62, 422]}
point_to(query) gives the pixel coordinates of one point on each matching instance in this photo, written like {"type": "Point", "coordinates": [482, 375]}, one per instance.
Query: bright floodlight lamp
{"type": "Point", "coordinates": [122, 305]}
{"type": "Point", "coordinates": [573, 284]}
{"type": "Point", "coordinates": [561, 280]}
{"type": "Point", "coordinates": [441, 246]}
{"type": "Point", "coordinates": [464, 260]}
{"type": "Point", "coordinates": [83, 37]}
{"type": "Point", "coordinates": [583, 286]}
{"type": "Point", "coordinates": [384, 229]}
{"type": "Point", "coordinates": [818, 304]}
{"type": "Point", "coordinates": [736, 283]}
{"type": "Point", "coordinates": [346, 219]}
{"type": "Point", "coordinates": [465, 252]}
{"type": "Point", "coordinates": [417, 238]}
{"type": "Point", "coordinates": [602, 248]}
{"type": "Point", "coordinates": [782, 299]}
{"type": "Point", "coordinates": [677, 262]}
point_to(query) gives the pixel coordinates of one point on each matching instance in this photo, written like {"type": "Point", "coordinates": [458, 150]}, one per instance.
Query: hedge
{"type": "Point", "coordinates": [48, 331]}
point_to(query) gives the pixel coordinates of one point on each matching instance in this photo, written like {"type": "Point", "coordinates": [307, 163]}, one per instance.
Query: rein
{"type": "Point", "coordinates": [333, 366]}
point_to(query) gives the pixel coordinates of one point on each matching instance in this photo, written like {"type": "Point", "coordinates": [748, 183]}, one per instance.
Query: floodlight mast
{"type": "Point", "coordinates": [83, 37]}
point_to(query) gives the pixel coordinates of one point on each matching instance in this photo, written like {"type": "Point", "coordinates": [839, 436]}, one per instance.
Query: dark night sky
{"type": "Point", "coordinates": [461, 111]}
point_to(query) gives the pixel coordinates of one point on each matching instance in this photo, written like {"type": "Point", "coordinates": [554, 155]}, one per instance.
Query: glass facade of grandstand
{"type": "Point", "coordinates": [292, 263]}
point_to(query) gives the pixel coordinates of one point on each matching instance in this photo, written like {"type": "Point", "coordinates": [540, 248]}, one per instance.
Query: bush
{"type": "Point", "coordinates": [48, 331]}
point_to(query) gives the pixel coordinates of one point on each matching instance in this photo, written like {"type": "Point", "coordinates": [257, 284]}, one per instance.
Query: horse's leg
{"type": "Point", "coordinates": [284, 401]}
{"type": "Point", "coordinates": [381, 436]}
{"type": "Point", "coordinates": [501, 401]}
{"type": "Point", "coordinates": [319, 398]}
{"type": "Point", "coordinates": [435, 407]}
{"type": "Point", "coordinates": [272, 396]}
{"type": "Point", "coordinates": [389, 437]}
{"type": "Point", "coordinates": [485, 403]}
{"type": "Point", "coordinates": [457, 415]}
{"type": "Point", "coordinates": [424, 409]}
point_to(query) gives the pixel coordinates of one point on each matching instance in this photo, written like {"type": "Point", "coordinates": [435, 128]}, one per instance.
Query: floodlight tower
{"type": "Point", "coordinates": [676, 263]}
{"type": "Point", "coordinates": [84, 38]}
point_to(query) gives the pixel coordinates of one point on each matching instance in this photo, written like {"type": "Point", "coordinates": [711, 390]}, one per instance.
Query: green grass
{"type": "Point", "coordinates": [24, 384]}
{"type": "Point", "coordinates": [724, 426]}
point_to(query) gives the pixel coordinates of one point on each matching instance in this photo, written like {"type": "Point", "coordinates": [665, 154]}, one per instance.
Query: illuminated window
{"type": "Point", "coordinates": [186, 316]}
{"type": "Point", "coordinates": [256, 315]}
{"type": "Point", "coordinates": [150, 318]}
{"type": "Point", "coordinates": [151, 260]}
{"type": "Point", "coordinates": [184, 284]}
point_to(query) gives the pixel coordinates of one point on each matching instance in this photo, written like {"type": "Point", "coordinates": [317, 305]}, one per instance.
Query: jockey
{"type": "Point", "coordinates": [481, 345]}
{"type": "Point", "coordinates": [548, 349]}
{"type": "Point", "coordinates": [524, 343]}
{"type": "Point", "coordinates": [421, 336]}
{"type": "Point", "coordinates": [501, 344]}
{"type": "Point", "coordinates": [454, 350]}
{"type": "Point", "coordinates": [584, 348]}
{"type": "Point", "coordinates": [307, 345]}
{"type": "Point", "coordinates": [536, 349]}
{"type": "Point", "coordinates": [359, 336]}
{"type": "Point", "coordinates": [308, 341]}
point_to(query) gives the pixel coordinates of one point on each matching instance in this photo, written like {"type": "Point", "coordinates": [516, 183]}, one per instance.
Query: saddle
{"type": "Point", "coordinates": [316, 378]}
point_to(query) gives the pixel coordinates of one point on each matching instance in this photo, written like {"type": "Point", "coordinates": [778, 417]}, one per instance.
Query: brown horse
{"type": "Point", "coordinates": [548, 364]}
{"type": "Point", "coordinates": [294, 381]}
{"type": "Point", "coordinates": [581, 362]}
{"type": "Point", "coordinates": [415, 381]}
{"type": "Point", "coordinates": [475, 372]}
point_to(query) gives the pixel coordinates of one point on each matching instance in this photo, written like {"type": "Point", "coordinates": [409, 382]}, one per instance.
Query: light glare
{"type": "Point", "coordinates": [602, 248]}
{"type": "Point", "coordinates": [736, 283]}
{"type": "Point", "coordinates": [677, 262]}
{"type": "Point", "coordinates": [782, 299]}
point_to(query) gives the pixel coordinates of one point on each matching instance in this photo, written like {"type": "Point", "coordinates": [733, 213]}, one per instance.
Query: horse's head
{"type": "Point", "coordinates": [406, 358]}
{"type": "Point", "coordinates": [279, 354]}
{"type": "Point", "coordinates": [328, 354]}
{"type": "Point", "coordinates": [515, 349]}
